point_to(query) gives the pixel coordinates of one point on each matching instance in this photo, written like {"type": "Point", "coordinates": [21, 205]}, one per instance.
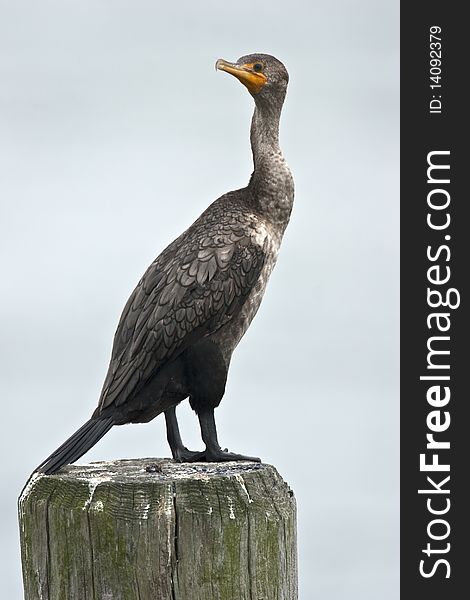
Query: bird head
{"type": "Point", "coordinates": [262, 74]}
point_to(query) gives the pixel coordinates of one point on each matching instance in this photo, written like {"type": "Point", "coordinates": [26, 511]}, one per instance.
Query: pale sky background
{"type": "Point", "coordinates": [115, 134]}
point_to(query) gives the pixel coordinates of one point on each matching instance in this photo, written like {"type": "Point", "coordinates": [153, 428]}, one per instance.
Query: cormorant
{"type": "Point", "coordinates": [192, 306]}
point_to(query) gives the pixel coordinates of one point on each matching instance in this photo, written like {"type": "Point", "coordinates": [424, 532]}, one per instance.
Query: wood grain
{"type": "Point", "coordinates": [152, 529]}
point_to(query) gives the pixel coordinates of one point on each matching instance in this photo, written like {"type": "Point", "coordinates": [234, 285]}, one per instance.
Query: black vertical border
{"type": "Point", "coordinates": [421, 133]}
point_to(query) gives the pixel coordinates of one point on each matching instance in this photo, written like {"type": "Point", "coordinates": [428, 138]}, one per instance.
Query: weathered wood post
{"type": "Point", "coordinates": [156, 530]}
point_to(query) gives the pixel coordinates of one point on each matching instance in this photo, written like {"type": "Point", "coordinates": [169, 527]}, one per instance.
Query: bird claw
{"type": "Point", "coordinates": [184, 455]}
{"type": "Point", "coordinates": [224, 456]}
{"type": "Point", "coordinates": [219, 456]}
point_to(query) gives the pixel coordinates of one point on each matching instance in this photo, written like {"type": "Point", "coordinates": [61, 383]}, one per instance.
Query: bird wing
{"type": "Point", "coordinates": [197, 285]}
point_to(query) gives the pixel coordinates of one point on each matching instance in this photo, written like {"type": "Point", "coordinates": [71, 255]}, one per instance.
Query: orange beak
{"type": "Point", "coordinates": [252, 80]}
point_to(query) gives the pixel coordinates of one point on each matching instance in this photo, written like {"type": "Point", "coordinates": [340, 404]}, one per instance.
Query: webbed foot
{"type": "Point", "coordinates": [182, 454]}
{"type": "Point", "coordinates": [220, 455]}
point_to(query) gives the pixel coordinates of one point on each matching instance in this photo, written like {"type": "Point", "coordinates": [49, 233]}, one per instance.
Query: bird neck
{"type": "Point", "coordinates": [265, 135]}
{"type": "Point", "coordinates": [271, 185]}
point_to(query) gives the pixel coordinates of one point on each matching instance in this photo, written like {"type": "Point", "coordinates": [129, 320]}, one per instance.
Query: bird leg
{"type": "Point", "coordinates": [213, 451]}
{"type": "Point", "coordinates": [179, 452]}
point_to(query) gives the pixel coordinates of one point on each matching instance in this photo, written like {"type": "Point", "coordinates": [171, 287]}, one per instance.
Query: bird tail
{"type": "Point", "coordinates": [77, 444]}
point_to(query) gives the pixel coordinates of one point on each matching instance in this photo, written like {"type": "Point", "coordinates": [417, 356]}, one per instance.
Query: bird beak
{"type": "Point", "coordinates": [253, 81]}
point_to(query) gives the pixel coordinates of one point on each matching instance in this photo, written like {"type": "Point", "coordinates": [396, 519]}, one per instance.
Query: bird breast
{"type": "Point", "coordinates": [268, 237]}
{"type": "Point", "coordinates": [273, 189]}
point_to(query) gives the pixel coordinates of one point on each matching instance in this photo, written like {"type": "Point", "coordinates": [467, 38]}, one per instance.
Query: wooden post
{"type": "Point", "coordinates": [153, 529]}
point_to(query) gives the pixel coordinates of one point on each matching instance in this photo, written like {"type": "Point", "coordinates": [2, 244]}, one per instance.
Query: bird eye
{"type": "Point", "coordinates": [257, 67]}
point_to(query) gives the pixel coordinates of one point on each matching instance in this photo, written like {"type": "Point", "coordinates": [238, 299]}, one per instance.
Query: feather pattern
{"type": "Point", "coordinates": [197, 285]}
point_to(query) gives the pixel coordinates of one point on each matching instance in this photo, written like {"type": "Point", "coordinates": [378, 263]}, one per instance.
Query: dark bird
{"type": "Point", "coordinates": [180, 326]}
